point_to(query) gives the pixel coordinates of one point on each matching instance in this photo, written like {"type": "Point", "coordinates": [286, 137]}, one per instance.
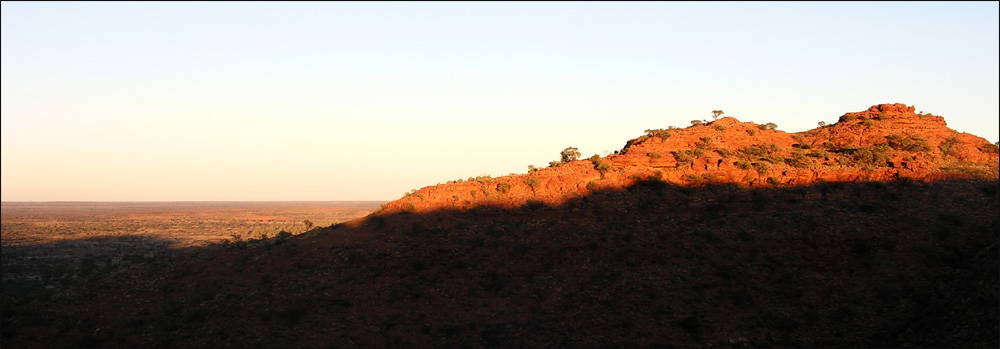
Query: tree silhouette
{"type": "Point", "coordinates": [569, 154]}
{"type": "Point", "coordinates": [716, 114]}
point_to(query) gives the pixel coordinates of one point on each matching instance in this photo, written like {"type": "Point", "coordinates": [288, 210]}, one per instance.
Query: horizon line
{"type": "Point", "coordinates": [176, 201]}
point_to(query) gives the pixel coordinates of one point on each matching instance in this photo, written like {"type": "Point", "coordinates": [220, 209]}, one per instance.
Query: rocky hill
{"type": "Point", "coordinates": [877, 231]}
{"type": "Point", "coordinates": [885, 142]}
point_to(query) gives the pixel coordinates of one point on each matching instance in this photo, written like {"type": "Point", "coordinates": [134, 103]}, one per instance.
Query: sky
{"type": "Point", "coordinates": [263, 101]}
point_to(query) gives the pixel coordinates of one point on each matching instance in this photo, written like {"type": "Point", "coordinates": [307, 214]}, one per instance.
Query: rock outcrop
{"type": "Point", "coordinates": [885, 142]}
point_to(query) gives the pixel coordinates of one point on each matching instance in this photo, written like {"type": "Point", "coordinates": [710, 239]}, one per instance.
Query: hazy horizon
{"type": "Point", "coordinates": [176, 201]}
{"type": "Point", "coordinates": [364, 101]}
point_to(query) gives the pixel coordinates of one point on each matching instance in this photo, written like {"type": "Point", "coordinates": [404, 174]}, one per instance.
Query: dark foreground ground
{"type": "Point", "coordinates": [897, 264]}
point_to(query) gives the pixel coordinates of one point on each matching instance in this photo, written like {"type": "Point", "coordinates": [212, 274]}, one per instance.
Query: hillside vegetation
{"type": "Point", "coordinates": [885, 142]}
{"type": "Point", "coordinates": [895, 245]}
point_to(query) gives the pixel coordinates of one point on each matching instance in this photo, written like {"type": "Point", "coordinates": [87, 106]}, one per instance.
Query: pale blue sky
{"type": "Point", "coordinates": [365, 101]}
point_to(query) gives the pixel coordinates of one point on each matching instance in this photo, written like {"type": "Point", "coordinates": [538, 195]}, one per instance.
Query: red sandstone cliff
{"type": "Point", "coordinates": [885, 142]}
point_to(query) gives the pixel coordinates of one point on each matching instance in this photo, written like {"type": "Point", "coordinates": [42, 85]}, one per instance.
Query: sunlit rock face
{"type": "Point", "coordinates": [884, 142]}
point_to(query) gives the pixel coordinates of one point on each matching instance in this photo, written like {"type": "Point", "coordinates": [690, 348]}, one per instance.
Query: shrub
{"type": "Point", "coordinates": [704, 143]}
{"type": "Point", "coordinates": [743, 164]}
{"type": "Point", "coordinates": [819, 154]}
{"type": "Point", "coordinates": [751, 131]}
{"type": "Point", "coordinates": [554, 163]}
{"type": "Point", "coordinates": [919, 145]}
{"type": "Point", "coordinates": [532, 182]}
{"type": "Point", "coordinates": [881, 147]}
{"type": "Point", "coordinates": [710, 178]}
{"type": "Point", "coordinates": [989, 148]}
{"type": "Point", "coordinates": [912, 143]}
{"type": "Point", "coordinates": [970, 169]}
{"type": "Point", "coordinates": [654, 155]}
{"type": "Point", "coordinates": [872, 157]}
{"type": "Point", "coordinates": [481, 179]}
{"type": "Point", "coordinates": [724, 152]}
{"type": "Point", "coordinates": [720, 128]}
{"type": "Point", "coordinates": [602, 167]}
{"type": "Point", "coordinates": [868, 123]}
{"type": "Point", "coordinates": [751, 152]}
{"type": "Point", "coordinates": [591, 186]}
{"type": "Point", "coordinates": [660, 133]}
{"type": "Point", "coordinates": [843, 161]}
{"type": "Point", "coordinates": [774, 159]}
{"type": "Point", "coordinates": [532, 169]}
{"type": "Point", "coordinates": [799, 160]}
{"type": "Point", "coordinates": [534, 205]}
{"type": "Point", "coordinates": [696, 122]}
{"type": "Point", "coordinates": [948, 146]}
{"type": "Point", "coordinates": [683, 157]}
{"type": "Point", "coordinates": [768, 126]}
{"type": "Point", "coordinates": [692, 178]}
{"type": "Point", "coordinates": [765, 151]}
{"type": "Point", "coordinates": [896, 141]}
{"type": "Point", "coordinates": [762, 167]}
{"type": "Point", "coordinates": [774, 180]}
{"type": "Point", "coordinates": [503, 187]}
{"type": "Point", "coordinates": [848, 117]}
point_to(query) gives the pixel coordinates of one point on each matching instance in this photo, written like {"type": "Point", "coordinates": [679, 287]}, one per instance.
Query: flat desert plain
{"type": "Point", "coordinates": [48, 245]}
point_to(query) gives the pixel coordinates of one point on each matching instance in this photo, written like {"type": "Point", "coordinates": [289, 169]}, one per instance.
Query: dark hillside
{"type": "Point", "coordinates": [867, 264]}
{"type": "Point", "coordinates": [880, 230]}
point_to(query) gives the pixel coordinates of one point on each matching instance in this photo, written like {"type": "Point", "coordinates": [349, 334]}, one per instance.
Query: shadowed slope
{"type": "Point", "coordinates": [840, 264]}
{"type": "Point", "coordinates": [880, 230]}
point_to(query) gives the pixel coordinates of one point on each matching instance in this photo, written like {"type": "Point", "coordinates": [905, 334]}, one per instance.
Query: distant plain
{"type": "Point", "coordinates": [48, 245]}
